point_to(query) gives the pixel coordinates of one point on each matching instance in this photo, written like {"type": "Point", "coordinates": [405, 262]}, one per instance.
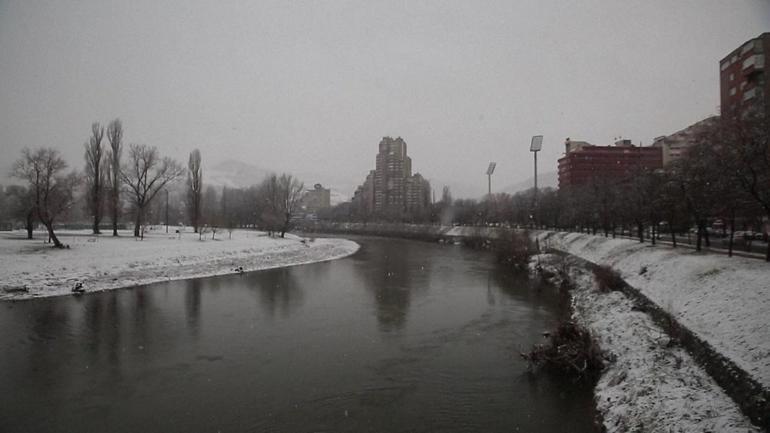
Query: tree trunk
{"type": "Point", "coordinates": [699, 238]}
{"type": "Point", "coordinates": [767, 252]}
{"type": "Point", "coordinates": [653, 227]}
{"type": "Point", "coordinates": [97, 219]}
{"type": "Point", "coordinates": [640, 231]}
{"type": "Point", "coordinates": [732, 235]}
{"type": "Point", "coordinates": [29, 223]}
{"type": "Point", "coordinates": [673, 237]}
{"type": "Point", "coordinates": [138, 222]}
{"type": "Point", "coordinates": [114, 200]}
{"type": "Point", "coordinates": [52, 235]}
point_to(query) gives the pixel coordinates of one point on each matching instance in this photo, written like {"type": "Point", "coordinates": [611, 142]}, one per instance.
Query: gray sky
{"type": "Point", "coordinates": [311, 87]}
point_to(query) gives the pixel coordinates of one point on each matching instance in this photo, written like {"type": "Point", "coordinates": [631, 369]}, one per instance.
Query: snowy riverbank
{"type": "Point", "coordinates": [105, 262]}
{"type": "Point", "coordinates": [724, 301]}
{"type": "Point", "coordinates": [649, 384]}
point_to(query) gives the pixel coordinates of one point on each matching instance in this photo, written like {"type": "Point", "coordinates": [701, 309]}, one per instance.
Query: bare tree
{"type": "Point", "coordinates": [53, 192]}
{"type": "Point", "coordinates": [194, 187]}
{"type": "Point", "coordinates": [115, 137]}
{"type": "Point", "coordinates": [744, 156]}
{"type": "Point", "coordinates": [21, 206]}
{"type": "Point", "coordinates": [145, 175]}
{"type": "Point", "coordinates": [94, 174]}
{"type": "Point", "coordinates": [281, 196]}
{"type": "Point", "coordinates": [210, 210]}
{"type": "Point", "coordinates": [291, 191]}
{"type": "Point", "coordinates": [227, 211]}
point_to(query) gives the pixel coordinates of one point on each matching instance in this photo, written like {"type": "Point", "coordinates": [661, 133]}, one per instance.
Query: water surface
{"type": "Point", "coordinates": [402, 336]}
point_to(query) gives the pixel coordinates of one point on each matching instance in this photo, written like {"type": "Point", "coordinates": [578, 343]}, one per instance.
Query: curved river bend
{"type": "Point", "coordinates": [402, 336]}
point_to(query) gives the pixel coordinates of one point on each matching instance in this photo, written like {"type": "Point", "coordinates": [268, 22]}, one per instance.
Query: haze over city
{"type": "Point", "coordinates": [312, 87]}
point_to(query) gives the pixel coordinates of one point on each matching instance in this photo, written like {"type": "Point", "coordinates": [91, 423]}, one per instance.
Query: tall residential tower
{"type": "Point", "coordinates": [390, 190]}
{"type": "Point", "coordinates": [743, 81]}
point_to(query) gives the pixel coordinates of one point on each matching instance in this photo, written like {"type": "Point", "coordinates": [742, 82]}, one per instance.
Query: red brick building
{"type": "Point", "coordinates": [583, 162]}
{"type": "Point", "coordinates": [742, 78]}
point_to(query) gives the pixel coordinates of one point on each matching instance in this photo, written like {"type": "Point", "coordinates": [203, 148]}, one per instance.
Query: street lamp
{"type": "Point", "coordinates": [166, 210]}
{"type": "Point", "coordinates": [534, 147]}
{"type": "Point", "coordinates": [490, 170]}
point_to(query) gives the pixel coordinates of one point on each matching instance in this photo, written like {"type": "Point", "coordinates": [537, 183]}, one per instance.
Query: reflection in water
{"type": "Point", "coordinates": [390, 271]}
{"type": "Point", "coordinates": [193, 305]}
{"type": "Point", "coordinates": [278, 290]}
{"type": "Point", "coordinates": [402, 336]}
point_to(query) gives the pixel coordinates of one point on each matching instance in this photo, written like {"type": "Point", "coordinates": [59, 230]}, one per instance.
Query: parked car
{"type": "Point", "coordinates": [744, 234]}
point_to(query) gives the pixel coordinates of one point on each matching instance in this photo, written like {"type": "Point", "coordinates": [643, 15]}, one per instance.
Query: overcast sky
{"type": "Point", "coordinates": [311, 87]}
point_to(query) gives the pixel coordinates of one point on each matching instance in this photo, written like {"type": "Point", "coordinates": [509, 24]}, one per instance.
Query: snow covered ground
{"type": "Point", "coordinates": [725, 301]}
{"type": "Point", "coordinates": [104, 262]}
{"type": "Point", "coordinates": [650, 385]}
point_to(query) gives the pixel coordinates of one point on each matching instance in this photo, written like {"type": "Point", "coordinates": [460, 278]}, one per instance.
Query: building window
{"type": "Point", "coordinates": [749, 94]}
{"type": "Point", "coordinates": [757, 60]}
{"type": "Point", "coordinates": [732, 91]}
{"type": "Point", "coordinates": [732, 76]}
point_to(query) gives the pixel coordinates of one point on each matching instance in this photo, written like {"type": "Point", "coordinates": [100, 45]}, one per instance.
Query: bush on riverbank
{"type": "Point", "coordinates": [571, 350]}
{"type": "Point", "coordinates": [514, 248]}
{"type": "Point", "coordinates": [608, 279]}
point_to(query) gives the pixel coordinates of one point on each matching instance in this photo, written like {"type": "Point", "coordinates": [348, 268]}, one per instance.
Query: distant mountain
{"type": "Point", "coordinates": [549, 179]}
{"type": "Point", "coordinates": [233, 174]}
{"type": "Point", "coordinates": [238, 174]}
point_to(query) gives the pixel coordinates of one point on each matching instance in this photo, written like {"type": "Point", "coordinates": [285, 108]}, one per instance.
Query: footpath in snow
{"type": "Point", "coordinates": [105, 262]}
{"type": "Point", "coordinates": [649, 385]}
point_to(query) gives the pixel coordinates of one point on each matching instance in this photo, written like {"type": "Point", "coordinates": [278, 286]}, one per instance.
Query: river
{"type": "Point", "coordinates": [403, 336]}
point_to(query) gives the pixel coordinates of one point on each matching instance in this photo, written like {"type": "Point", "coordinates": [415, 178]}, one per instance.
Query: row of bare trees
{"type": "Point", "coordinates": [51, 190]}
{"type": "Point", "coordinates": [102, 172]}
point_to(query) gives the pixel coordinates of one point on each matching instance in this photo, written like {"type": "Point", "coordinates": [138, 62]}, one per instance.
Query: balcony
{"type": "Point", "coordinates": [754, 63]}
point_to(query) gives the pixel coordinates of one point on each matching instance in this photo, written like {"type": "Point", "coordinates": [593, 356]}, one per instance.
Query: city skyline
{"type": "Point", "coordinates": [279, 88]}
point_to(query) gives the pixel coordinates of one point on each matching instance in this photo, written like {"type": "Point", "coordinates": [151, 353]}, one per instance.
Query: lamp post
{"type": "Point", "coordinates": [535, 145]}
{"type": "Point", "coordinates": [490, 170]}
{"type": "Point", "coordinates": [166, 210]}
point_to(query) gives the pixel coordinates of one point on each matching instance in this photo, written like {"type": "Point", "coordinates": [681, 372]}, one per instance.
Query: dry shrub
{"type": "Point", "coordinates": [475, 241]}
{"type": "Point", "coordinates": [514, 248]}
{"type": "Point", "coordinates": [608, 279]}
{"type": "Point", "coordinates": [570, 350]}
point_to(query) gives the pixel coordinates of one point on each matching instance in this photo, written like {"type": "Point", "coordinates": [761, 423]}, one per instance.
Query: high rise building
{"type": "Point", "coordinates": [391, 170]}
{"type": "Point", "coordinates": [391, 189]}
{"type": "Point", "coordinates": [317, 198]}
{"type": "Point", "coordinates": [742, 78]}
{"type": "Point", "coordinates": [675, 146]}
{"type": "Point", "coordinates": [584, 162]}
{"type": "Point", "coordinates": [363, 198]}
